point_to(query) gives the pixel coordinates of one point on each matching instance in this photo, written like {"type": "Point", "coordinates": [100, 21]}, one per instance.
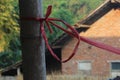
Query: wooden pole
{"type": "Point", "coordinates": [33, 49]}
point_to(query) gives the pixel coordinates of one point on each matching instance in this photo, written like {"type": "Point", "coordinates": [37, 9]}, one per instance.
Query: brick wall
{"type": "Point", "coordinates": [106, 30]}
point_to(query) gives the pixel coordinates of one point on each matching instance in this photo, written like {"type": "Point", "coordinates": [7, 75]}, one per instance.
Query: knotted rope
{"type": "Point", "coordinates": [71, 31]}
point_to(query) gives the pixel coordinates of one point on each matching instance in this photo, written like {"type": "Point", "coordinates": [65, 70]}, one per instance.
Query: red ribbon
{"type": "Point", "coordinates": [101, 45]}
{"type": "Point", "coordinates": [47, 20]}
{"type": "Point", "coordinates": [71, 32]}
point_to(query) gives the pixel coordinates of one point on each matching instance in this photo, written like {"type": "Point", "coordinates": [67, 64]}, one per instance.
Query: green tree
{"type": "Point", "coordinates": [64, 15]}
{"type": "Point", "coordinates": [9, 30]}
{"type": "Point", "coordinates": [70, 11]}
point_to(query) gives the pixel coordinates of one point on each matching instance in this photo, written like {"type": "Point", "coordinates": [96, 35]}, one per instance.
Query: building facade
{"type": "Point", "coordinates": [104, 27]}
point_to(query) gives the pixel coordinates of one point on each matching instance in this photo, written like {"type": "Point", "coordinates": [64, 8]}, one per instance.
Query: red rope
{"type": "Point", "coordinates": [101, 45]}
{"type": "Point", "coordinates": [47, 20]}
{"type": "Point", "coordinates": [71, 32]}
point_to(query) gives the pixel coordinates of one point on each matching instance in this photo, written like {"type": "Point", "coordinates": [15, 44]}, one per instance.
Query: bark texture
{"type": "Point", "coordinates": [33, 48]}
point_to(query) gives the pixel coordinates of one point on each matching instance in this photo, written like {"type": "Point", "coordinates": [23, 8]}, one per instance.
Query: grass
{"type": "Point", "coordinates": [59, 76]}
{"type": "Point", "coordinates": [75, 77]}
{"type": "Point", "coordinates": [69, 77]}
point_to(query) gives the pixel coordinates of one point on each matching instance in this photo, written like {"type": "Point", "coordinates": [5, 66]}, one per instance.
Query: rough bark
{"type": "Point", "coordinates": [33, 49]}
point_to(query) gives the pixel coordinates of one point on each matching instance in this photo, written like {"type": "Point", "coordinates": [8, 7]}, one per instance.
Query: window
{"type": "Point", "coordinates": [115, 65]}
{"type": "Point", "coordinates": [84, 67]}
{"type": "Point", "coordinates": [115, 69]}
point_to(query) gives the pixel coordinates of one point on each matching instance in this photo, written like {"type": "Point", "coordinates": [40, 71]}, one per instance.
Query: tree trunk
{"type": "Point", "coordinates": [33, 49]}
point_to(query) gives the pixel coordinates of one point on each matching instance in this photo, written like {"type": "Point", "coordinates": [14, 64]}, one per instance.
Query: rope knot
{"type": "Point", "coordinates": [71, 32]}
{"type": "Point", "coordinates": [49, 21]}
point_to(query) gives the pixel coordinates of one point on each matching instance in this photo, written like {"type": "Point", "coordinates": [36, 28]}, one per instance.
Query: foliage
{"type": "Point", "coordinates": [8, 58]}
{"type": "Point", "coordinates": [77, 8]}
{"type": "Point", "coordinates": [9, 32]}
{"type": "Point", "coordinates": [70, 11]}
{"type": "Point", "coordinates": [67, 16]}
